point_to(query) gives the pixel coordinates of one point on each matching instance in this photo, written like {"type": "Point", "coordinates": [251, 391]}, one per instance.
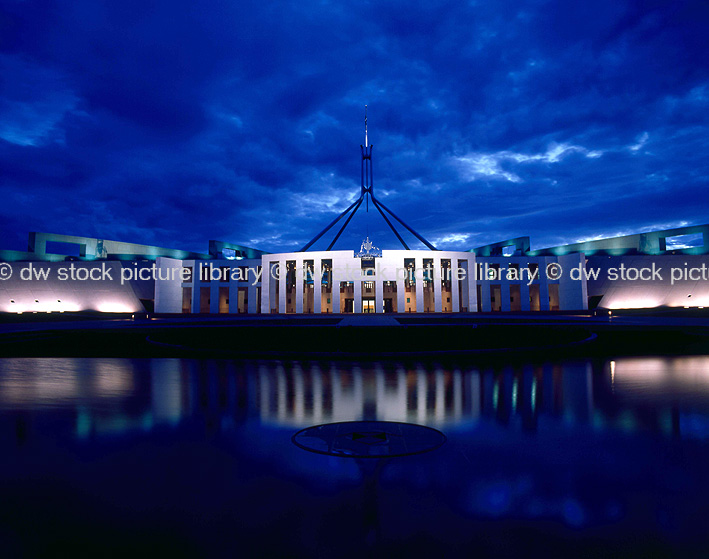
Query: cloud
{"type": "Point", "coordinates": [171, 123]}
{"type": "Point", "coordinates": [642, 140]}
{"type": "Point", "coordinates": [490, 165]}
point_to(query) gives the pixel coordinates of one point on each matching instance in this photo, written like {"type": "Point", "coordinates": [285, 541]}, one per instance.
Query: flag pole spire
{"type": "Point", "coordinates": [367, 192]}
{"type": "Point", "coordinates": [366, 141]}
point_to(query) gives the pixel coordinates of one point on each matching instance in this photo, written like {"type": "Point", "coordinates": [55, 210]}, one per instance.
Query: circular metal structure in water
{"type": "Point", "coordinates": [369, 439]}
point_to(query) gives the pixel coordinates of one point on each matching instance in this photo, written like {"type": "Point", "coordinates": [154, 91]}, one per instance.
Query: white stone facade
{"type": "Point", "coordinates": [388, 279]}
{"type": "Point", "coordinates": [400, 281]}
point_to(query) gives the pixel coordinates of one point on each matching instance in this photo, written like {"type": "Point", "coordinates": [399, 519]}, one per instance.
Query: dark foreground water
{"type": "Point", "coordinates": [169, 457]}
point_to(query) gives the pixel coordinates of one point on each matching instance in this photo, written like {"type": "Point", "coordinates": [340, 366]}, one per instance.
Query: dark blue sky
{"type": "Point", "coordinates": [172, 123]}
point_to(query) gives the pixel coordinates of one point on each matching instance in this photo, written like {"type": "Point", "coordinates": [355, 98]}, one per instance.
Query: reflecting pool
{"type": "Point", "coordinates": [109, 457]}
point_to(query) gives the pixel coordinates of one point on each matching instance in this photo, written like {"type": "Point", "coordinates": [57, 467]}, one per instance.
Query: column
{"type": "Point", "coordinates": [524, 293]}
{"type": "Point", "coordinates": [467, 274]}
{"type": "Point", "coordinates": [234, 297]}
{"type": "Point", "coordinates": [195, 286]}
{"type": "Point", "coordinates": [505, 305]}
{"type": "Point", "coordinates": [543, 285]}
{"type": "Point", "coordinates": [437, 289]}
{"type": "Point", "coordinates": [253, 299]}
{"type": "Point", "coordinates": [418, 272]}
{"type": "Point", "coordinates": [357, 294]}
{"type": "Point", "coordinates": [378, 294]}
{"type": "Point", "coordinates": [266, 289]}
{"type": "Point", "coordinates": [455, 284]}
{"type": "Point", "coordinates": [400, 296]}
{"type": "Point", "coordinates": [282, 285]}
{"type": "Point", "coordinates": [335, 294]}
{"type": "Point", "coordinates": [214, 297]}
{"type": "Point", "coordinates": [299, 285]}
{"type": "Point", "coordinates": [400, 288]}
{"type": "Point", "coordinates": [472, 285]}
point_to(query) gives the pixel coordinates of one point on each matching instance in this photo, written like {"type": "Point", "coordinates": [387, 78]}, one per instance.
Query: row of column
{"type": "Point", "coordinates": [390, 272]}
{"type": "Point", "coordinates": [214, 294]}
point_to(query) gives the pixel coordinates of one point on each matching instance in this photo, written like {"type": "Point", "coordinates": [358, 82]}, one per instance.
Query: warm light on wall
{"type": "Point", "coordinates": [58, 305]}
{"type": "Point", "coordinates": [633, 304]}
{"type": "Point", "coordinates": [116, 307]}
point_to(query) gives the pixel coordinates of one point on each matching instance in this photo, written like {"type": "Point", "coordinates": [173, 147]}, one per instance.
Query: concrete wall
{"type": "Point", "coordinates": [618, 289]}
{"type": "Point", "coordinates": [573, 291]}
{"type": "Point", "coordinates": [168, 291]}
{"type": "Point", "coordinates": [49, 287]}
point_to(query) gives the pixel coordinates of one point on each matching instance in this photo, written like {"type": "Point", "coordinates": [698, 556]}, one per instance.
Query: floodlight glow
{"type": "Point", "coordinates": [115, 308]}
{"type": "Point", "coordinates": [639, 303]}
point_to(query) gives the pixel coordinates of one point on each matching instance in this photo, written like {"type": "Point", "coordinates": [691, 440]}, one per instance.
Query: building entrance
{"type": "Point", "coordinates": [349, 305]}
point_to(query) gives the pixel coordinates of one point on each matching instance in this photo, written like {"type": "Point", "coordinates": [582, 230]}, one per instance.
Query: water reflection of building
{"type": "Point", "coordinates": [313, 395]}
{"type": "Point", "coordinates": [433, 396]}
{"type": "Point", "coordinates": [668, 395]}
{"type": "Point", "coordinates": [662, 377]}
{"type": "Point", "coordinates": [37, 383]}
{"type": "Point", "coordinates": [95, 397]}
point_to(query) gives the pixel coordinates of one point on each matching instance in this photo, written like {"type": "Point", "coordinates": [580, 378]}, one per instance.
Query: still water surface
{"type": "Point", "coordinates": [194, 458]}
